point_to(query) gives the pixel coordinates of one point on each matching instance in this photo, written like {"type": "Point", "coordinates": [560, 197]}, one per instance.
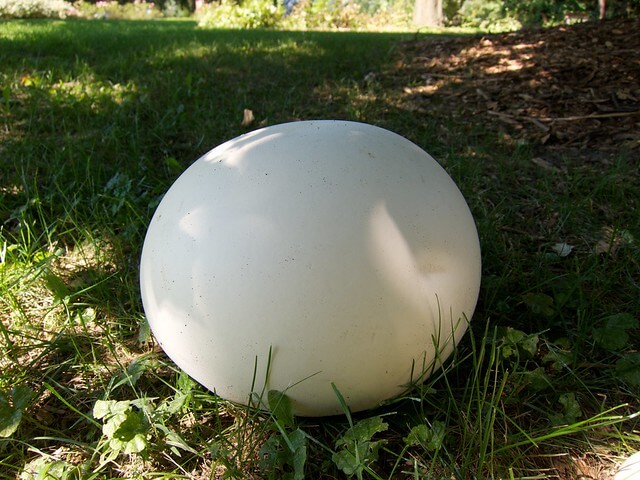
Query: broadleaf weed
{"type": "Point", "coordinates": [355, 449]}
{"type": "Point", "coordinates": [13, 403]}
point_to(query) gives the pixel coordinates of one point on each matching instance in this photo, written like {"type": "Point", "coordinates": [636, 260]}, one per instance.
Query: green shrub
{"type": "Point", "coordinates": [307, 15]}
{"type": "Point", "coordinates": [490, 15]}
{"type": "Point", "coordinates": [245, 14]}
{"type": "Point", "coordinates": [391, 15]}
{"type": "Point", "coordinates": [325, 14]}
{"type": "Point", "coordinates": [499, 15]}
{"type": "Point", "coordinates": [174, 9]}
{"type": "Point", "coordinates": [540, 12]}
{"type": "Point", "coordinates": [111, 9]}
{"type": "Point", "coordinates": [36, 9]}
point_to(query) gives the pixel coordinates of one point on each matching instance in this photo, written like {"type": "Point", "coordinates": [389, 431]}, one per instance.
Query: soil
{"type": "Point", "coordinates": [568, 88]}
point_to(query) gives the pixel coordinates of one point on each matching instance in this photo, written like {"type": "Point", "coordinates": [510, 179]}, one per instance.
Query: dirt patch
{"type": "Point", "coordinates": [567, 88]}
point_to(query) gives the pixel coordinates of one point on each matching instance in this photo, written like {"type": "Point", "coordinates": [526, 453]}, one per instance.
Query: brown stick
{"type": "Point", "coordinates": [568, 119]}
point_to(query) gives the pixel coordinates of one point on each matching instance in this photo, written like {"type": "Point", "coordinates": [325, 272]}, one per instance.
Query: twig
{"type": "Point", "coordinates": [587, 117]}
{"type": "Point", "coordinates": [566, 119]}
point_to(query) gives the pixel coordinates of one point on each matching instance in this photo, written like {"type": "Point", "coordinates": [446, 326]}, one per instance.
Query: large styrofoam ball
{"type": "Point", "coordinates": [629, 469]}
{"type": "Point", "coordinates": [322, 251]}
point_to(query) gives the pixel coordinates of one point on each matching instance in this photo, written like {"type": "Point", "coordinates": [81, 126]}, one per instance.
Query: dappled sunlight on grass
{"type": "Point", "coordinates": [92, 92]}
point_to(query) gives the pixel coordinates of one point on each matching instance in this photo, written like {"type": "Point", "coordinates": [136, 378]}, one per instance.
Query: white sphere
{"type": "Point", "coordinates": [629, 469]}
{"type": "Point", "coordinates": [327, 251]}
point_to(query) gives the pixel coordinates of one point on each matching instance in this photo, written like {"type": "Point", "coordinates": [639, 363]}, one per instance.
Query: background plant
{"type": "Point", "coordinates": [490, 15]}
{"type": "Point", "coordinates": [245, 14]}
{"type": "Point", "coordinates": [306, 15]}
{"type": "Point", "coordinates": [36, 9]}
{"type": "Point", "coordinates": [112, 9]}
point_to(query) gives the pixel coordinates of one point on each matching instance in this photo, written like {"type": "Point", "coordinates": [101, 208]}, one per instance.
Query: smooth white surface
{"type": "Point", "coordinates": [342, 247]}
{"type": "Point", "coordinates": [630, 468]}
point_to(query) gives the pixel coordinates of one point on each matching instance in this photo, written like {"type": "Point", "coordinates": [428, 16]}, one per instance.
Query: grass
{"type": "Point", "coordinates": [98, 119]}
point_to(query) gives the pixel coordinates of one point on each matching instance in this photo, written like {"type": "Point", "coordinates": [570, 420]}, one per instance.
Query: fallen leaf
{"type": "Point", "coordinates": [562, 249]}
{"type": "Point", "coordinates": [611, 240]}
{"type": "Point", "coordinates": [247, 117]}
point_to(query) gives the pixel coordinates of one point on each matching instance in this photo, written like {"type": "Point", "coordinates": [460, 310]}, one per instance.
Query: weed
{"type": "Point", "coordinates": [12, 405]}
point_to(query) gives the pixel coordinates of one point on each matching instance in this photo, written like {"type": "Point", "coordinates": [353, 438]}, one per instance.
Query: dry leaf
{"type": "Point", "coordinates": [611, 240]}
{"type": "Point", "coordinates": [247, 117]}
{"type": "Point", "coordinates": [562, 249]}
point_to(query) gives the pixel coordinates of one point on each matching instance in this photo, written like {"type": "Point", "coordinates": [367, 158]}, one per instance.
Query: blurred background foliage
{"type": "Point", "coordinates": [488, 15]}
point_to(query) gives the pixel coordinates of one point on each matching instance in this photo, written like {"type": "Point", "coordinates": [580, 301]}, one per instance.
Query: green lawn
{"type": "Point", "coordinates": [96, 121]}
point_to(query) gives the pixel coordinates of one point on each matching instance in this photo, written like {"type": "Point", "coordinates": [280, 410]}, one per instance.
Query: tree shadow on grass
{"type": "Point", "coordinates": [86, 100]}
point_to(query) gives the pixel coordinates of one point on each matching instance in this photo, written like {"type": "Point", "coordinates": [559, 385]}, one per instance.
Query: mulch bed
{"type": "Point", "coordinates": [567, 88]}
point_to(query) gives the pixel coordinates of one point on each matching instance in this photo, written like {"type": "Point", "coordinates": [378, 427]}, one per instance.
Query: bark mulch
{"type": "Point", "coordinates": [568, 88]}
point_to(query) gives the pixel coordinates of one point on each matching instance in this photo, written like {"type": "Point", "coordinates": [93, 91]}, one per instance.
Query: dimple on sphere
{"type": "Point", "coordinates": [309, 254]}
